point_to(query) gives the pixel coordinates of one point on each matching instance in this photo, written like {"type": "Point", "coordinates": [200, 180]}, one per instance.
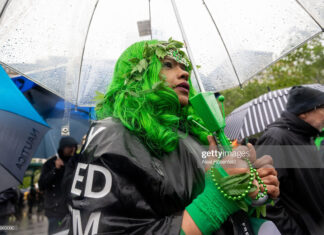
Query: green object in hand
{"type": "Point", "coordinates": [205, 105]}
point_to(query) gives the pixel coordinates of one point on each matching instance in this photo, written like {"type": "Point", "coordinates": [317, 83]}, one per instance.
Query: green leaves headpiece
{"type": "Point", "coordinates": [161, 50]}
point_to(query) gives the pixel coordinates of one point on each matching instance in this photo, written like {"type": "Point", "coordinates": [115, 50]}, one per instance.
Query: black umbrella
{"type": "Point", "coordinates": [253, 117]}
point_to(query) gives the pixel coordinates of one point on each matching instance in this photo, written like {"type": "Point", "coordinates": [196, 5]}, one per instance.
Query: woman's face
{"type": "Point", "coordinates": [177, 78]}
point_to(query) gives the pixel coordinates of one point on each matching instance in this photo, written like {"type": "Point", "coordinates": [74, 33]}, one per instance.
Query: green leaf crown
{"type": "Point", "coordinates": [161, 50]}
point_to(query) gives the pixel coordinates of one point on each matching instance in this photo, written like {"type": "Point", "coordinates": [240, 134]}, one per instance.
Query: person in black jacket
{"type": "Point", "coordinates": [8, 199]}
{"type": "Point", "coordinates": [290, 141]}
{"type": "Point", "coordinates": [50, 182]}
{"type": "Point", "coordinates": [31, 199]}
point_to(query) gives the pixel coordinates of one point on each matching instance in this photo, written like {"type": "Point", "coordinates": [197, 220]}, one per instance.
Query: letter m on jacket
{"type": "Point", "coordinates": [92, 223]}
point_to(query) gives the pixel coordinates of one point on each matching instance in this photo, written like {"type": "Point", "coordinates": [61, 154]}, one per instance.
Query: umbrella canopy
{"type": "Point", "coordinates": [253, 117]}
{"type": "Point", "coordinates": [58, 114]}
{"type": "Point", "coordinates": [22, 129]}
{"type": "Point", "coordinates": [73, 55]}
{"type": "Point", "coordinates": [79, 123]}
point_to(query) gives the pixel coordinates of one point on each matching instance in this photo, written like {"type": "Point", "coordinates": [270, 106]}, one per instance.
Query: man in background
{"type": "Point", "coordinates": [50, 183]}
{"type": "Point", "coordinates": [290, 142]}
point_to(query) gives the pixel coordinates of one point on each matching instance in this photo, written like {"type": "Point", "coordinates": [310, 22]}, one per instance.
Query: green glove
{"type": "Point", "coordinates": [211, 209]}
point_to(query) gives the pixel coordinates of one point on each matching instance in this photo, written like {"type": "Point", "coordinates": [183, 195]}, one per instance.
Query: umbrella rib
{"type": "Point", "coordinates": [150, 18]}
{"type": "Point", "coordinates": [310, 15]}
{"type": "Point", "coordinates": [226, 49]}
{"type": "Point", "coordinates": [4, 8]}
{"type": "Point", "coordinates": [10, 173]}
{"type": "Point", "coordinates": [83, 50]}
{"type": "Point", "coordinates": [185, 39]}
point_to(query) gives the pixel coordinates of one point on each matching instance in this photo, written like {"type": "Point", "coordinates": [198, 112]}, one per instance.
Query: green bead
{"type": "Point", "coordinates": [246, 191]}
{"type": "Point", "coordinates": [239, 197]}
{"type": "Point", "coordinates": [221, 98]}
{"type": "Point", "coordinates": [243, 194]}
{"type": "Point", "coordinates": [225, 195]}
{"type": "Point", "coordinates": [222, 191]}
{"type": "Point", "coordinates": [234, 198]}
{"type": "Point", "coordinates": [249, 187]}
{"type": "Point", "coordinates": [218, 188]}
{"type": "Point", "coordinates": [229, 197]}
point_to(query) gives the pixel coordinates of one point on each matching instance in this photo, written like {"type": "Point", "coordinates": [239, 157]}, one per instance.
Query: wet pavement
{"type": "Point", "coordinates": [29, 226]}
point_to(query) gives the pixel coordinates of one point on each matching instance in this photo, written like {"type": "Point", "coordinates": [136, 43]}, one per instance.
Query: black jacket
{"type": "Point", "coordinates": [50, 182]}
{"type": "Point", "coordinates": [117, 187]}
{"type": "Point", "coordinates": [8, 198]}
{"type": "Point", "coordinates": [300, 208]}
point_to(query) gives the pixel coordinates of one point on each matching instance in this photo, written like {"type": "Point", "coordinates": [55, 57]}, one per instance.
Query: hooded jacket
{"type": "Point", "coordinates": [300, 207]}
{"type": "Point", "coordinates": [50, 182]}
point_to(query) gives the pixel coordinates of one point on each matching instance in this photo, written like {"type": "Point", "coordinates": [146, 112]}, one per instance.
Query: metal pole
{"type": "Point", "coordinates": [184, 36]}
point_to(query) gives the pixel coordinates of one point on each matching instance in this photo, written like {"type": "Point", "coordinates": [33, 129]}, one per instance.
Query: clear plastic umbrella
{"type": "Point", "coordinates": [70, 46]}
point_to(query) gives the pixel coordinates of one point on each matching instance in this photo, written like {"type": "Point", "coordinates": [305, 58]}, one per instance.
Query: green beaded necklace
{"type": "Point", "coordinates": [253, 175]}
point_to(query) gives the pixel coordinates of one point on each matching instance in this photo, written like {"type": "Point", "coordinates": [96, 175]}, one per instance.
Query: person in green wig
{"type": "Point", "coordinates": [141, 169]}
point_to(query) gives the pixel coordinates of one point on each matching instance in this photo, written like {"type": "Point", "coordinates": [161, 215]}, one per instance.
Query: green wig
{"type": "Point", "coordinates": [141, 99]}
